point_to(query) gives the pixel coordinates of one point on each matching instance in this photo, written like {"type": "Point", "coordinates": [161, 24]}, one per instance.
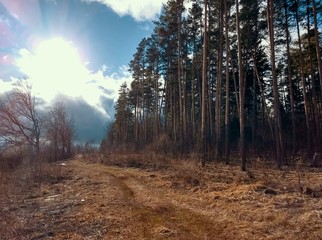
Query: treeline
{"type": "Point", "coordinates": [224, 76]}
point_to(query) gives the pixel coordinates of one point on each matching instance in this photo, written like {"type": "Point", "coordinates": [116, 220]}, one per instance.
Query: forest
{"type": "Point", "coordinates": [224, 79]}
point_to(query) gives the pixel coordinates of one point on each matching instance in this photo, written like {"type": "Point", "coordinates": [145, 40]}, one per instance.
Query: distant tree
{"type": "Point", "coordinates": [59, 131]}
{"type": "Point", "coordinates": [105, 144]}
{"type": "Point", "coordinates": [20, 122]}
{"type": "Point", "coordinates": [122, 130]}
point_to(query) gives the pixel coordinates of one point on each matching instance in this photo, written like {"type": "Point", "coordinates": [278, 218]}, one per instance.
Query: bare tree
{"type": "Point", "coordinates": [59, 131]}
{"type": "Point", "coordinates": [19, 121]}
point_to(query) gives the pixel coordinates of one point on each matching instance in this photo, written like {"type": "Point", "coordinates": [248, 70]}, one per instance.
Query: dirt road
{"type": "Point", "coordinates": [96, 201]}
{"type": "Point", "coordinates": [102, 202]}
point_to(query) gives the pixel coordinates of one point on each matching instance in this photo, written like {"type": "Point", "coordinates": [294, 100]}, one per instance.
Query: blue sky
{"type": "Point", "coordinates": [76, 51]}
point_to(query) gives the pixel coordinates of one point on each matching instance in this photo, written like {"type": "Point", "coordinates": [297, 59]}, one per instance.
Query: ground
{"type": "Point", "coordinates": [88, 200]}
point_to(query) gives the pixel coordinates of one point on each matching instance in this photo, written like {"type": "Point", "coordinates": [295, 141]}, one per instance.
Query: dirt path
{"type": "Point", "coordinates": [95, 201]}
{"type": "Point", "coordinates": [138, 205]}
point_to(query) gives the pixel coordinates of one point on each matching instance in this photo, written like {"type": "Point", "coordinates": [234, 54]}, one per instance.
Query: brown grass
{"type": "Point", "coordinates": [149, 196]}
{"type": "Point", "coordinates": [22, 179]}
{"type": "Point", "coordinates": [246, 197]}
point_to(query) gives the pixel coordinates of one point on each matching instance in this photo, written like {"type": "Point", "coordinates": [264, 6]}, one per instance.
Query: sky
{"type": "Point", "coordinates": [74, 51]}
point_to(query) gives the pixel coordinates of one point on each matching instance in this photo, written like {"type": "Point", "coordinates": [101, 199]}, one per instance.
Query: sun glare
{"type": "Point", "coordinates": [54, 67]}
{"type": "Point", "coordinates": [56, 54]}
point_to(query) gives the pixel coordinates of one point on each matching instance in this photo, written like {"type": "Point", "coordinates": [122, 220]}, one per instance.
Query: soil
{"type": "Point", "coordinates": [97, 201]}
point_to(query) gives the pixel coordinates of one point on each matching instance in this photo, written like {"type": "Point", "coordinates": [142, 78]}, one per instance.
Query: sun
{"type": "Point", "coordinates": [54, 67]}
{"type": "Point", "coordinates": [57, 54]}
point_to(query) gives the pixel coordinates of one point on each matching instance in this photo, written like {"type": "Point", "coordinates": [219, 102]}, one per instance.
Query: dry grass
{"type": "Point", "coordinates": [147, 160]}
{"type": "Point", "coordinates": [12, 184]}
{"type": "Point", "coordinates": [19, 181]}
{"type": "Point", "coordinates": [149, 196]}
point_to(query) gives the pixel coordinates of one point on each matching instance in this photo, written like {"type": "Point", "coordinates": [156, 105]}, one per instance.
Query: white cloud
{"type": "Point", "coordinates": [90, 101]}
{"type": "Point", "coordinates": [105, 86]}
{"type": "Point", "coordinates": [139, 10]}
{"type": "Point", "coordinates": [54, 69]}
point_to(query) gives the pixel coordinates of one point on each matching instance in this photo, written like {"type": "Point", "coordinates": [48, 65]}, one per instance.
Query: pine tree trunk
{"type": "Point", "coordinates": [254, 111]}
{"type": "Point", "coordinates": [316, 118]}
{"type": "Point", "coordinates": [306, 103]}
{"type": "Point", "coordinates": [156, 103]}
{"type": "Point", "coordinates": [241, 93]}
{"type": "Point", "coordinates": [180, 123]}
{"type": "Point", "coordinates": [136, 119]}
{"type": "Point", "coordinates": [227, 109]}
{"type": "Point", "coordinates": [204, 89]}
{"type": "Point", "coordinates": [290, 80]}
{"type": "Point", "coordinates": [193, 114]}
{"type": "Point", "coordinates": [277, 116]}
{"type": "Point", "coordinates": [264, 105]}
{"type": "Point", "coordinates": [219, 84]}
